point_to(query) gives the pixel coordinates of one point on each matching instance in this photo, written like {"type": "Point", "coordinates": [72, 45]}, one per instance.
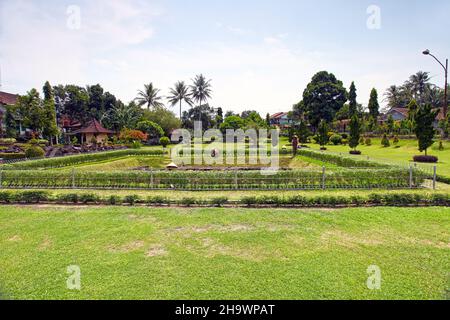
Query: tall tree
{"type": "Point", "coordinates": [200, 90]}
{"type": "Point", "coordinates": [30, 108]}
{"type": "Point", "coordinates": [395, 97]}
{"type": "Point", "coordinates": [122, 116]}
{"type": "Point", "coordinates": [423, 128]}
{"type": "Point", "coordinates": [10, 121]}
{"type": "Point", "coordinates": [355, 132]}
{"type": "Point", "coordinates": [323, 97]}
{"type": "Point", "coordinates": [268, 119]}
{"type": "Point", "coordinates": [323, 133]}
{"type": "Point", "coordinates": [149, 96]}
{"type": "Point", "coordinates": [374, 106]}
{"type": "Point", "coordinates": [418, 85]}
{"type": "Point", "coordinates": [164, 117]}
{"type": "Point", "coordinates": [204, 113]}
{"type": "Point", "coordinates": [353, 105]}
{"type": "Point", "coordinates": [178, 94]}
{"type": "Point", "coordinates": [219, 117]}
{"type": "Point", "coordinates": [49, 114]}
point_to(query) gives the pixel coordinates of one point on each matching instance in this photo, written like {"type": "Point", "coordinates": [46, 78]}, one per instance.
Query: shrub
{"type": "Point", "coordinates": [86, 198]}
{"type": "Point", "coordinates": [336, 139]}
{"type": "Point", "coordinates": [158, 200]}
{"type": "Point", "coordinates": [135, 145]}
{"type": "Point", "coordinates": [131, 199]}
{"type": "Point", "coordinates": [12, 156]}
{"type": "Point", "coordinates": [6, 197]}
{"type": "Point", "coordinates": [68, 198]}
{"type": "Point", "coordinates": [385, 142]}
{"type": "Point", "coordinates": [344, 142]}
{"type": "Point", "coordinates": [129, 136]}
{"type": "Point", "coordinates": [344, 136]}
{"type": "Point", "coordinates": [396, 140]}
{"type": "Point", "coordinates": [426, 159]}
{"type": "Point", "coordinates": [32, 196]}
{"type": "Point", "coordinates": [249, 201]}
{"type": "Point", "coordinates": [152, 129]}
{"type": "Point", "coordinates": [219, 201]}
{"type": "Point", "coordinates": [113, 200]}
{"type": "Point", "coordinates": [441, 146]}
{"type": "Point", "coordinates": [362, 141]}
{"type": "Point", "coordinates": [355, 152]}
{"type": "Point", "coordinates": [34, 152]}
{"type": "Point", "coordinates": [368, 142]}
{"type": "Point", "coordinates": [8, 141]}
{"type": "Point", "coordinates": [164, 141]}
{"type": "Point", "coordinates": [188, 202]}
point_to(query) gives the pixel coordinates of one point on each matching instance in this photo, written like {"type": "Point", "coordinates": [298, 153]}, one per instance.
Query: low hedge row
{"type": "Point", "coordinates": [12, 156]}
{"type": "Point", "coordinates": [79, 159]}
{"type": "Point", "coordinates": [380, 199]}
{"type": "Point", "coordinates": [341, 161]}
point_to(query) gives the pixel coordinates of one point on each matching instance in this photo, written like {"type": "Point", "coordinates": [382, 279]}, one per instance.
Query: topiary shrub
{"type": "Point", "coordinates": [368, 142]}
{"type": "Point", "coordinates": [113, 200]}
{"type": "Point", "coordinates": [88, 198]}
{"type": "Point", "coordinates": [396, 141]}
{"type": "Point", "coordinates": [131, 199]}
{"type": "Point", "coordinates": [362, 141]}
{"type": "Point", "coordinates": [33, 196]}
{"type": "Point", "coordinates": [34, 152]}
{"type": "Point", "coordinates": [355, 152]}
{"type": "Point", "coordinates": [219, 201]}
{"type": "Point", "coordinates": [385, 142]}
{"type": "Point", "coordinates": [426, 159]}
{"type": "Point", "coordinates": [164, 141]}
{"type": "Point", "coordinates": [441, 146]}
{"type": "Point", "coordinates": [336, 139]}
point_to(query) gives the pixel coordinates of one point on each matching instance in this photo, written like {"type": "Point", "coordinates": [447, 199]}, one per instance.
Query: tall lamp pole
{"type": "Point", "coordinates": [445, 109]}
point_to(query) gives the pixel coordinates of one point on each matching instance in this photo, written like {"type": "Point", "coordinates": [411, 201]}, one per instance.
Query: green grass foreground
{"type": "Point", "coordinates": [174, 253]}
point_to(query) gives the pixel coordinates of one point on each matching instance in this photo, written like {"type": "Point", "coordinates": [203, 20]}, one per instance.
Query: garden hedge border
{"type": "Point", "coordinates": [373, 199]}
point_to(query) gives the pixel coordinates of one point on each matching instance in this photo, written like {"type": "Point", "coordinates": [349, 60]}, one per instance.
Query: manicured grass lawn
{"type": "Point", "coordinates": [405, 152]}
{"type": "Point", "coordinates": [144, 253]}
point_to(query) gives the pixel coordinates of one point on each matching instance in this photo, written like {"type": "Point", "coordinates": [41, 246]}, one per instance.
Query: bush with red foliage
{"type": "Point", "coordinates": [426, 159]}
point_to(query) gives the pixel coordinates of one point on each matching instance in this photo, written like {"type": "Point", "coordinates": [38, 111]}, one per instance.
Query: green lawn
{"type": "Point", "coordinates": [144, 253]}
{"type": "Point", "coordinates": [402, 153]}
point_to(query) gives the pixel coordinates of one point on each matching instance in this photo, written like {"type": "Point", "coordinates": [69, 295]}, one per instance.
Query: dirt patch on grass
{"type": "Point", "coordinates": [156, 251]}
{"type": "Point", "coordinates": [15, 238]}
{"type": "Point", "coordinates": [217, 228]}
{"type": "Point", "coordinates": [45, 244]}
{"type": "Point", "coordinates": [350, 240]}
{"type": "Point", "coordinates": [129, 247]}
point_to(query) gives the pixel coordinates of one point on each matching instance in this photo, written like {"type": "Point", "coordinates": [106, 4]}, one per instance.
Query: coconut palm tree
{"type": "Point", "coordinates": [419, 85]}
{"type": "Point", "coordinates": [200, 89]}
{"type": "Point", "coordinates": [178, 94]}
{"type": "Point", "coordinates": [149, 96]}
{"type": "Point", "coordinates": [394, 96]}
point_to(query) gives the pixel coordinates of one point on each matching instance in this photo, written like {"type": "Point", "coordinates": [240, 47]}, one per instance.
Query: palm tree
{"type": "Point", "coordinates": [201, 89]}
{"type": "Point", "coordinates": [394, 96]}
{"type": "Point", "coordinates": [419, 84]}
{"type": "Point", "coordinates": [178, 94]}
{"type": "Point", "coordinates": [149, 96]}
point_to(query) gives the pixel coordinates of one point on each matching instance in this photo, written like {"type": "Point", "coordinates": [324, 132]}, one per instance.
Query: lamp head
{"type": "Point", "coordinates": [426, 52]}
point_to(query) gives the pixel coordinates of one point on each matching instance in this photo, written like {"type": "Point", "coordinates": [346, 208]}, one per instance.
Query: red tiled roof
{"type": "Point", "coordinates": [8, 98]}
{"type": "Point", "coordinates": [94, 127]}
{"type": "Point", "coordinates": [278, 115]}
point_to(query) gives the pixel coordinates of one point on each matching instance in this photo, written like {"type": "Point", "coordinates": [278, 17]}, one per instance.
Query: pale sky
{"type": "Point", "coordinates": [259, 54]}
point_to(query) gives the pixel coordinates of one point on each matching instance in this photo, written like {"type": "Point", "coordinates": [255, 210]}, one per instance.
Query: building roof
{"type": "Point", "coordinates": [94, 127]}
{"type": "Point", "coordinates": [278, 115]}
{"type": "Point", "coordinates": [8, 98]}
{"type": "Point", "coordinates": [403, 111]}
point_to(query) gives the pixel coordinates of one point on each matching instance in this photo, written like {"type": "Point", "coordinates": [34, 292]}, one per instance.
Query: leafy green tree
{"type": "Point", "coordinates": [31, 110]}
{"type": "Point", "coordinates": [323, 97]}
{"type": "Point", "coordinates": [355, 132]}
{"type": "Point", "coordinates": [374, 106]}
{"type": "Point", "coordinates": [151, 128]}
{"type": "Point", "coordinates": [179, 94]}
{"type": "Point", "coordinates": [204, 113]}
{"type": "Point", "coordinates": [219, 117]}
{"type": "Point", "coordinates": [232, 123]}
{"type": "Point", "coordinates": [76, 104]}
{"type": "Point", "coordinates": [10, 122]}
{"type": "Point", "coordinates": [268, 119]}
{"type": "Point", "coordinates": [122, 116]}
{"type": "Point", "coordinates": [164, 117]}
{"type": "Point", "coordinates": [302, 131]}
{"type": "Point", "coordinates": [149, 97]}
{"type": "Point", "coordinates": [323, 134]}
{"type": "Point", "coordinates": [424, 129]}
{"type": "Point", "coordinates": [353, 105]}
{"type": "Point", "coordinates": [390, 124]}
{"type": "Point", "coordinates": [49, 114]}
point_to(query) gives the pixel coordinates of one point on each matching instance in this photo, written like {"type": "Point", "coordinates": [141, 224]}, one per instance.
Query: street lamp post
{"type": "Point", "coordinates": [445, 109]}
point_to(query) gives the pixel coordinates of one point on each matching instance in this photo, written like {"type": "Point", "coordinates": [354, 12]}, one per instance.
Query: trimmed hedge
{"type": "Point", "coordinates": [341, 161]}
{"type": "Point", "coordinates": [77, 159]}
{"type": "Point", "coordinates": [373, 199]}
{"type": "Point", "coordinates": [12, 156]}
